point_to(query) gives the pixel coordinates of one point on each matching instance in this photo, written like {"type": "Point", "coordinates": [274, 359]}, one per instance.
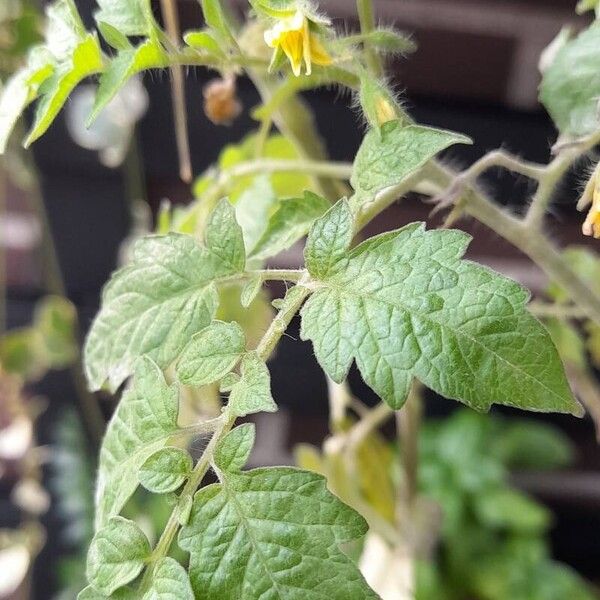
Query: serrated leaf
{"type": "Point", "coordinates": [211, 354]}
{"type": "Point", "coordinates": [20, 90]}
{"type": "Point", "coordinates": [251, 290]}
{"type": "Point", "coordinates": [64, 30]}
{"type": "Point", "coordinates": [272, 533]}
{"type": "Point", "coordinates": [130, 17]}
{"type": "Point", "coordinates": [165, 470]}
{"type": "Point", "coordinates": [129, 62]}
{"type": "Point", "coordinates": [290, 222]}
{"type": "Point", "coordinates": [571, 84]}
{"type": "Point", "coordinates": [169, 582]}
{"type": "Point", "coordinates": [391, 154]}
{"type": "Point", "coordinates": [234, 449]}
{"type": "Point", "coordinates": [403, 304]}
{"type": "Point", "coordinates": [144, 422]}
{"type": "Point", "coordinates": [168, 293]}
{"type": "Point", "coordinates": [252, 393]}
{"type": "Point", "coordinates": [116, 555]}
{"type": "Point", "coordinates": [86, 60]}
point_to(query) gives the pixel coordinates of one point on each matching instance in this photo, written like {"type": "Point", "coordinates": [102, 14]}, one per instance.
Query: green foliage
{"type": "Point", "coordinates": [130, 61]}
{"type": "Point", "coordinates": [492, 544]}
{"type": "Point", "coordinates": [211, 354]}
{"type": "Point", "coordinates": [165, 470]}
{"type": "Point", "coordinates": [464, 330]}
{"type": "Point", "coordinates": [571, 84]}
{"type": "Point", "coordinates": [272, 532]}
{"type": "Point", "coordinates": [129, 17]}
{"type": "Point", "coordinates": [117, 555]}
{"type": "Point", "coordinates": [48, 343]}
{"type": "Point", "coordinates": [233, 451]}
{"type": "Point", "coordinates": [144, 422]}
{"type": "Point", "coordinates": [390, 155]}
{"type": "Point", "coordinates": [167, 294]}
{"type": "Point", "coordinates": [290, 221]}
{"type": "Point", "coordinates": [252, 393]}
{"type": "Point", "coordinates": [169, 582]}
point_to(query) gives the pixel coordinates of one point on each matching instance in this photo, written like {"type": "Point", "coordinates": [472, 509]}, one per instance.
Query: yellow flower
{"type": "Point", "coordinates": [591, 226]}
{"type": "Point", "coordinates": [292, 35]}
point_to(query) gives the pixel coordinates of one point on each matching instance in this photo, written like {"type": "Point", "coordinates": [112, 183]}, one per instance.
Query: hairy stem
{"type": "Point", "coordinates": [408, 420]}
{"type": "Point", "coordinates": [291, 305]}
{"type": "Point", "coordinates": [367, 24]}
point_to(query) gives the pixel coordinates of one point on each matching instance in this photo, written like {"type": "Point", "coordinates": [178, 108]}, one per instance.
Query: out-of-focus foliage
{"type": "Point", "coordinates": [48, 343]}
{"type": "Point", "coordinates": [493, 542]}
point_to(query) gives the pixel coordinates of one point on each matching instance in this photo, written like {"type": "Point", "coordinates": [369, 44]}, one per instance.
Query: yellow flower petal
{"type": "Point", "coordinates": [318, 54]}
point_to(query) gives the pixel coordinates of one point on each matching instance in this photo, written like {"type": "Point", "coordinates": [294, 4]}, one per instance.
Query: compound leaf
{"type": "Point", "coordinates": [391, 154]}
{"type": "Point", "coordinates": [166, 295]}
{"type": "Point", "coordinates": [272, 533]}
{"type": "Point", "coordinates": [144, 421]}
{"type": "Point", "coordinates": [403, 304]}
{"type": "Point", "coordinates": [116, 555]}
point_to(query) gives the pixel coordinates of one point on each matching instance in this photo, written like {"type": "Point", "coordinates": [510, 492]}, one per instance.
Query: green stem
{"type": "Point", "coordinates": [408, 420]}
{"type": "Point", "coordinates": [366, 17]}
{"type": "Point", "coordinates": [291, 304]}
{"type": "Point", "coordinates": [558, 311]}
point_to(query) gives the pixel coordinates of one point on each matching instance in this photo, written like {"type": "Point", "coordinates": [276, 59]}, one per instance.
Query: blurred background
{"type": "Point", "coordinates": [475, 71]}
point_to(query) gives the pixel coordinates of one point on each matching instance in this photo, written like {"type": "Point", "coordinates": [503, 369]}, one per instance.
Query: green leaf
{"type": "Point", "coordinates": [251, 291]}
{"type": "Point", "coordinates": [234, 449]}
{"type": "Point", "coordinates": [169, 582]}
{"type": "Point", "coordinates": [64, 30]}
{"type": "Point", "coordinates": [86, 60]}
{"type": "Point", "coordinates": [89, 593]}
{"type": "Point", "coordinates": [116, 555]}
{"type": "Point", "coordinates": [211, 354]}
{"type": "Point", "coordinates": [166, 295]}
{"type": "Point", "coordinates": [56, 319]}
{"type": "Point", "coordinates": [509, 509]}
{"type": "Point", "coordinates": [144, 422]}
{"type": "Point", "coordinates": [22, 353]}
{"type": "Point", "coordinates": [253, 207]}
{"type": "Point", "coordinates": [203, 40]}
{"type": "Point", "coordinates": [149, 55]}
{"type": "Point", "coordinates": [130, 17]}
{"type": "Point", "coordinates": [290, 222]}
{"type": "Point", "coordinates": [272, 533]}
{"type": "Point", "coordinates": [113, 37]}
{"type": "Point", "coordinates": [21, 89]}
{"type": "Point", "coordinates": [252, 393]}
{"type": "Point", "coordinates": [275, 8]}
{"type": "Point", "coordinates": [403, 304]}
{"type": "Point", "coordinates": [215, 18]}
{"type": "Point", "coordinates": [165, 470]}
{"type": "Point", "coordinates": [391, 154]}
{"type": "Point", "coordinates": [571, 84]}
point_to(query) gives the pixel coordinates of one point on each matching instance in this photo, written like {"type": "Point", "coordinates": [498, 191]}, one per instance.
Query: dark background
{"type": "Point", "coordinates": [474, 72]}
